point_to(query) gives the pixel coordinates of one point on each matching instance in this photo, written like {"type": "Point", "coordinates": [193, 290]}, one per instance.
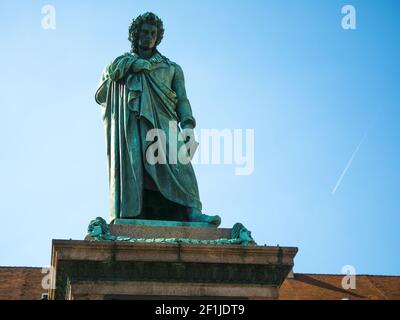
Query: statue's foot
{"type": "Point", "coordinates": [196, 216]}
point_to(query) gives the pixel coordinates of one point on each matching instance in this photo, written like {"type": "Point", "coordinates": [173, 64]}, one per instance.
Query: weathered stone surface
{"type": "Point", "coordinates": [101, 270]}
{"type": "Point", "coordinates": [87, 290]}
{"type": "Point", "coordinates": [164, 223]}
{"type": "Point", "coordinates": [148, 232]}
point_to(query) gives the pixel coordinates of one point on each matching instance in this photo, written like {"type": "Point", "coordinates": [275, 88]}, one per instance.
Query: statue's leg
{"type": "Point", "coordinates": [157, 207]}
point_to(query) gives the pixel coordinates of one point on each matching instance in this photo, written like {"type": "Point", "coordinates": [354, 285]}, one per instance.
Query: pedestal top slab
{"type": "Point", "coordinates": [126, 251]}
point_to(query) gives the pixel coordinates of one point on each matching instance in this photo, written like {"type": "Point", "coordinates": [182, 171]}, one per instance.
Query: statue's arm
{"type": "Point", "coordinates": [101, 92]}
{"type": "Point", "coordinates": [115, 71]}
{"type": "Point", "coordinates": [121, 67]}
{"type": "Point", "coordinates": [183, 108]}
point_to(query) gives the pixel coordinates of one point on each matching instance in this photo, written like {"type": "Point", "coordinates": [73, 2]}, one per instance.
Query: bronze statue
{"type": "Point", "coordinates": [140, 91]}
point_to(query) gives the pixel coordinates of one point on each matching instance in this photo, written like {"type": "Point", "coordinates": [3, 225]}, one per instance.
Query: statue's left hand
{"type": "Point", "coordinates": [140, 65]}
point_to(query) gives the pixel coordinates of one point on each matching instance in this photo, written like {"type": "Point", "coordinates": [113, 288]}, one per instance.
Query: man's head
{"type": "Point", "coordinates": [239, 231]}
{"type": "Point", "coordinates": [146, 32]}
{"type": "Point", "coordinates": [98, 227]}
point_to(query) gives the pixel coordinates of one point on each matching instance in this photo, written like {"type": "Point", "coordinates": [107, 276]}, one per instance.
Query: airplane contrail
{"type": "Point", "coordinates": [349, 164]}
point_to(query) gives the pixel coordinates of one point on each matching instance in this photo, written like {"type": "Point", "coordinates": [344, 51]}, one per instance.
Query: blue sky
{"type": "Point", "coordinates": [312, 91]}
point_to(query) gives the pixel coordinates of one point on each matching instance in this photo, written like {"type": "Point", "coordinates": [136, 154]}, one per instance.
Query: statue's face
{"type": "Point", "coordinates": [96, 231]}
{"type": "Point", "coordinates": [245, 235]}
{"type": "Point", "coordinates": [147, 36]}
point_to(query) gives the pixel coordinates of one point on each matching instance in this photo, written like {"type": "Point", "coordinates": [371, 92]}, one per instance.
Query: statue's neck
{"type": "Point", "coordinates": [146, 54]}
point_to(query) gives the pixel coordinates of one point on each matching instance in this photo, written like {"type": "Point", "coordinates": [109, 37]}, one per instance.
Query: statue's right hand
{"type": "Point", "coordinates": [140, 65]}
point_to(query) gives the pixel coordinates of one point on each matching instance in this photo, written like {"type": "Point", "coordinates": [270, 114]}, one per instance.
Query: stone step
{"type": "Point", "coordinates": [163, 223]}
{"type": "Point", "coordinates": [151, 231]}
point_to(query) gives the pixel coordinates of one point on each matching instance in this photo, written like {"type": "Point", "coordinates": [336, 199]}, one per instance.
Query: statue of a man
{"type": "Point", "coordinates": [140, 91]}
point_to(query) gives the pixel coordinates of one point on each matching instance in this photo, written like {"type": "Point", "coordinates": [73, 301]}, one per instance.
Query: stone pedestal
{"type": "Point", "coordinates": [123, 270]}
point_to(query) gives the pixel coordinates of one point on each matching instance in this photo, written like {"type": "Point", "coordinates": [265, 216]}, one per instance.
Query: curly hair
{"type": "Point", "coordinates": [134, 28]}
{"type": "Point", "coordinates": [235, 233]}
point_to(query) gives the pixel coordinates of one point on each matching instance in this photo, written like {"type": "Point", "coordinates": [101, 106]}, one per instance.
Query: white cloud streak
{"type": "Point", "coordinates": [349, 164]}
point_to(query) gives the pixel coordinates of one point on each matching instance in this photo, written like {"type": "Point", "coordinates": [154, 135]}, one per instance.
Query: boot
{"type": "Point", "coordinates": [197, 216]}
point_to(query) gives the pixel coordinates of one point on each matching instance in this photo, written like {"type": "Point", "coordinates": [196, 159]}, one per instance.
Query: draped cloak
{"type": "Point", "coordinates": [132, 103]}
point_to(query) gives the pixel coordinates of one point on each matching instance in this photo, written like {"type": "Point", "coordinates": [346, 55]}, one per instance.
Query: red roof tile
{"type": "Point", "coordinates": [22, 283]}
{"type": "Point", "coordinates": [329, 287]}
